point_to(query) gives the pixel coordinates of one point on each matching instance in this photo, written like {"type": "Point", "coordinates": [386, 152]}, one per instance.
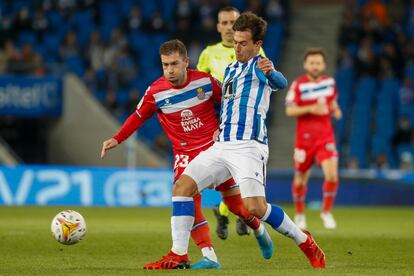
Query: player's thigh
{"type": "Point", "coordinates": [327, 156]}
{"type": "Point", "coordinates": [330, 169]}
{"type": "Point", "coordinates": [303, 158]}
{"type": "Point", "coordinates": [207, 170]}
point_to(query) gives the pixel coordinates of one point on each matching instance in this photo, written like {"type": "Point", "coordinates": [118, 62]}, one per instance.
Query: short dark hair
{"type": "Point", "coordinates": [314, 51]}
{"type": "Point", "coordinates": [228, 9]}
{"type": "Point", "coordinates": [248, 21]}
{"type": "Point", "coordinates": [173, 46]}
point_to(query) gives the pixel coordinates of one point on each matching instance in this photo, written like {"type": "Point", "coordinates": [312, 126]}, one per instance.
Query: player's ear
{"type": "Point", "coordinates": [187, 61]}
{"type": "Point", "coordinates": [259, 43]}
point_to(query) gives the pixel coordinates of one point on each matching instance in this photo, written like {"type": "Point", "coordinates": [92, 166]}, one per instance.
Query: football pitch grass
{"type": "Point", "coordinates": [119, 241]}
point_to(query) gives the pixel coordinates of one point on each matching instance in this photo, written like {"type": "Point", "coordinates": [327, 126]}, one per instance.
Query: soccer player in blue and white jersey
{"type": "Point", "coordinates": [241, 148]}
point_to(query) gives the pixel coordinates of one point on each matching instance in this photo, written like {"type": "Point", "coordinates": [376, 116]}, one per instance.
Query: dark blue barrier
{"type": "Point", "coordinates": [87, 186]}
{"type": "Point", "coordinates": [30, 96]}
{"type": "Point", "coordinates": [365, 187]}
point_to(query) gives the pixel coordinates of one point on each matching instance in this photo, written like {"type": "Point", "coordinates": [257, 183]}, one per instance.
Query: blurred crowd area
{"type": "Point", "coordinates": [113, 45]}
{"type": "Point", "coordinates": [375, 73]}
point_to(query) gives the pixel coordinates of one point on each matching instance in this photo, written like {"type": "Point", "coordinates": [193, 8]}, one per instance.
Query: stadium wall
{"type": "Point", "coordinates": [111, 186]}
{"type": "Point", "coordinates": [77, 137]}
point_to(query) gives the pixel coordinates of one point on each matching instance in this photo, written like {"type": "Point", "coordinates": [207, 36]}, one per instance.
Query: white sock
{"type": "Point", "coordinates": [281, 222]}
{"type": "Point", "coordinates": [181, 230]}
{"type": "Point", "coordinates": [209, 253]}
{"type": "Point", "coordinates": [259, 231]}
{"type": "Point", "coordinates": [290, 229]}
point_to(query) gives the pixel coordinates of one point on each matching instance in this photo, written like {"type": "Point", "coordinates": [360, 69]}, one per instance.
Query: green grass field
{"type": "Point", "coordinates": [368, 241]}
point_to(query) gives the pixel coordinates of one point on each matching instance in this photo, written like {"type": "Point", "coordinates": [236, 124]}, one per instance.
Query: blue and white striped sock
{"type": "Point", "coordinates": [280, 221]}
{"type": "Point", "coordinates": [182, 221]}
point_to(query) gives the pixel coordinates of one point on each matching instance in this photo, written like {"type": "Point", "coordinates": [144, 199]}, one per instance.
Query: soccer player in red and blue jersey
{"type": "Point", "coordinates": [312, 100]}
{"type": "Point", "coordinates": [184, 101]}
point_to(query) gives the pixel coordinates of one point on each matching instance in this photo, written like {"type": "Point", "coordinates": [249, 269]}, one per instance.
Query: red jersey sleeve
{"type": "Point", "coordinates": [216, 87]}
{"type": "Point", "coordinates": [292, 96]}
{"type": "Point", "coordinates": [145, 109]}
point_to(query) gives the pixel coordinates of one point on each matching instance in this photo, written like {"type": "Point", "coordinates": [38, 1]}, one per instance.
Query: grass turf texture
{"type": "Point", "coordinates": [368, 241]}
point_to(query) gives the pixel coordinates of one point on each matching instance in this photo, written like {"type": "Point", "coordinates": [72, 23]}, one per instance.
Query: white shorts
{"type": "Point", "coordinates": [243, 160]}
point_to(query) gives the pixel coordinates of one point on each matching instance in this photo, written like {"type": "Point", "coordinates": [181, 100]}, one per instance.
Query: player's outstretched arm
{"type": "Point", "coordinates": [275, 78]}
{"type": "Point", "coordinates": [107, 145]}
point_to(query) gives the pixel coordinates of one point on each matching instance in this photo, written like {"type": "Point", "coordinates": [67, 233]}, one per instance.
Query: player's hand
{"type": "Point", "coordinates": [319, 108]}
{"type": "Point", "coordinates": [215, 135]}
{"type": "Point", "coordinates": [337, 114]}
{"type": "Point", "coordinates": [265, 65]}
{"type": "Point", "coordinates": [107, 145]}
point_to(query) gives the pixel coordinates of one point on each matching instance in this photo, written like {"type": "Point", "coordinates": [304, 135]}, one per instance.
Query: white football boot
{"type": "Point", "coordinates": [300, 221]}
{"type": "Point", "coordinates": [328, 220]}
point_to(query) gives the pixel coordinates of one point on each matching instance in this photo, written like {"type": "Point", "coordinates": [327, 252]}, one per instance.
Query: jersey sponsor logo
{"type": "Point", "coordinates": [186, 114]}
{"type": "Point", "coordinates": [201, 95]}
{"type": "Point", "coordinates": [189, 122]}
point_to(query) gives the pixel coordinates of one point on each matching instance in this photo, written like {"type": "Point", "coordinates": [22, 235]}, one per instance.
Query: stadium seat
{"type": "Point", "coordinates": [75, 64]}
{"type": "Point", "coordinates": [361, 120]}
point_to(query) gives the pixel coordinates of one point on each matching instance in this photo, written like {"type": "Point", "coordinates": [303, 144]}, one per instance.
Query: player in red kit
{"type": "Point", "coordinates": [184, 101]}
{"type": "Point", "coordinates": [312, 99]}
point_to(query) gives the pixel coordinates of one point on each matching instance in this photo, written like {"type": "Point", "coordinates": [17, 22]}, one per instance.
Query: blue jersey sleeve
{"type": "Point", "coordinates": [275, 79]}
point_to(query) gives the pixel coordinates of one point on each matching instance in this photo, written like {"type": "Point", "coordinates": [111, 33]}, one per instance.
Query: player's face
{"type": "Point", "coordinates": [174, 67]}
{"type": "Point", "coordinates": [244, 46]}
{"type": "Point", "coordinates": [314, 66]}
{"type": "Point", "coordinates": [225, 24]}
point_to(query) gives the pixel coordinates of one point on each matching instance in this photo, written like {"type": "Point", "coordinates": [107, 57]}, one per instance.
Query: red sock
{"type": "Point", "coordinates": [329, 193]}
{"type": "Point", "coordinates": [201, 231]}
{"type": "Point", "coordinates": [299, 196]}
{"type": "Point", "coordinates": [236, 206]}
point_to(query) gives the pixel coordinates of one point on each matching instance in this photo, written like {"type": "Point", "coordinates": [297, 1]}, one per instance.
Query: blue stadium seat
{"type": "Point", "coordinates": [273, 41]}
{"type": "Point", "coordinates": [361, 120]}
{"type": "Point", "coordinates": [84, 25]}
{"type": "Point", "coordinates": [75, 65]}
{"type": "Point", "coordinates": [26, 37]}
{"type": "Point", "coordinates": [51, 42]}
{"type": "Point", "coordinates": [122, 97]}
{"type": "Point", "coordinates": [344, 82]}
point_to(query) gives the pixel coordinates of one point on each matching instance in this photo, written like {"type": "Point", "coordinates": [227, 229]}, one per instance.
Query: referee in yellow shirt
{"type": "Point", "coordinates": [214, 60]}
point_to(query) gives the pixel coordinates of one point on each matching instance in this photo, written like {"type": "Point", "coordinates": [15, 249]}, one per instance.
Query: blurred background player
{"type": "Point", "coordinates": [214, 59]}
{"type": "Point", "coordinates": [184, 100]}
{"type": "Point", "coordinates": [312, 99]}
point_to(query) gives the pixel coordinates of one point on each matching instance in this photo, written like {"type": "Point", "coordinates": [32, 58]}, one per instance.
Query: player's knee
{"type": "Point", "coordinates": [257, 210]}
{"type": "Point", "coordinates": [331, 177]}
{"type": "Point", "coordinates": [299, 180]}
{"type": "Point", "coordinates": [184, 186]}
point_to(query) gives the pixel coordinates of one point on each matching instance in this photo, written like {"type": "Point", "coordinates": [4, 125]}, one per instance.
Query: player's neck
{"type": "Point", "coordinates": [182, 82]}
{"type": "Point", "coordinates": [314, 79]}
{"type": "Point", "coordinates": [227, 44]}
